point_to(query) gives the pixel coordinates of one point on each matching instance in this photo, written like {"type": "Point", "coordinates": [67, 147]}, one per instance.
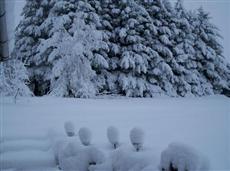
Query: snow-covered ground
{"type": "Point", "coordinates": [203, 123]}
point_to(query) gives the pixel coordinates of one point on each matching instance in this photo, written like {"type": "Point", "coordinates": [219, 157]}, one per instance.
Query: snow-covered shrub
{"type": "Point", "coordinates": [125, 160]}
{"type": "Point", "coordinates": [67, 150]}
{"type": "Point", "coordinates": [137, 138]}
{"type": "Point", "coordinates": [85, 136]}
{"type": "Point", "coordinates": [113, 136]}
{"type": "Point", "coordinates": [86, 159]}
{"type": "Point", "coordinates": [69, 128]}
{"type": "Point", "coordinates": [182, 157]}
{"type": "Point", "coordinates": [62, 146]}
{"type": "Point", "coordinates": [13, 76]}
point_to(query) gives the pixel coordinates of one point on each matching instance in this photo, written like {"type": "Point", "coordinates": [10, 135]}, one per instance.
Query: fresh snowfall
{"type": "Point", "coordinates": [129, 134]}
{"type": "Point", "coordinates": [113, 85]}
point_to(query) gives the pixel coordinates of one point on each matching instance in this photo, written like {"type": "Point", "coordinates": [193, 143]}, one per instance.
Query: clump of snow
{"type": "Point", "coordinates": [69, 128]}
{"type": "Point", "coordinates": [62, 146]}
{"type": "Point", "coordinates": [67, 150]}
{"type": "Point", "coordinates": [182, 157]}
{"type": "Point", "coordinates": [124, 160]}
{"type": "Point", "coordinates": [85, 136]}
{"type": "Point", "coordinates": [137, 138]}
{"type": "Point", "coordinates": [86, 159]}
{"type": "Point", "coordinates": [113, 136]}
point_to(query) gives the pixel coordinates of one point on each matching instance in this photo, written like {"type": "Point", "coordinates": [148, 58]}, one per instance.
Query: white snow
{"type": "Point", "coordinates": [26, 159]}
{"type": "Point", "coordinates": [85, 159]}
{"type": "Point", "coordinates": [85, 136]}
{"type": "Point", "coordinates": [113, 136]}
{"type": "Point", "coordinates": [203, 123]}
{"type": "Point", "coordinates": [137, 138]}
{"type": "Point", "coordinates": [183, 157]}
{"type": "Point", "coordinates": [69, 128]}
{"type": "Point", "coordinates": [124, 160]}
{"type": "Point", "coordinates": [21, 144]}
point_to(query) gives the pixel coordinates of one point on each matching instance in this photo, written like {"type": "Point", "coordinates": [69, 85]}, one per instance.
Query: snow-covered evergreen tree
{"type": "Point", "coordinates": [134, 48]}
{"type": "Point", "coordinates": [183, 50]}
{"type": "Point", "coordinates": [72, 56]}
{"type": "Point", "coordinates": [27, 38]}
{"type": "Point", "coordinates": [13, 78]}
{"type": "Point", "coordinates": [160, 71]}
{"type": "Point", "coordinates": [211, 64]}
{"type": "Point", "coordinates": [136, 27]}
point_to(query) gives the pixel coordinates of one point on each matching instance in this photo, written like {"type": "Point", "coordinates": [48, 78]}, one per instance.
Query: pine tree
{"type": "Point", "coordinates": [27, 38]}
{"type": "Point", "coordinates": [28, 32]}
{"type": "Point", "coordinates": [106, 77]}
{"type": "Point", "coordinates": [183, 50]}
{"type": "Point", "coordinates": [134, 48]}
{"type": "Point", "coordinates": [160, 71]}
{"type": "Point", "coordinates": [72, 74]}
{"type": "Point", "coordinates": [211, 64]}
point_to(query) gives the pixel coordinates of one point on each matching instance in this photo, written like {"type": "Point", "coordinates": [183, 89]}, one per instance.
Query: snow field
{"type": "Point", "coordinates": [202, 123]}
{"type": "Point", "coordinates": [18, 145]}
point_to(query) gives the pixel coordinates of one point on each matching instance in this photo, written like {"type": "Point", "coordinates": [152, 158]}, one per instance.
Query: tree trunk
{"type": "Point", "coordinates": [4, 43]}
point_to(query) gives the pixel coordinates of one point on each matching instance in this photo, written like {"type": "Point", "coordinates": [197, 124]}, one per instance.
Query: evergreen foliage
{"type": "Point", "coordinates": [134, 48]}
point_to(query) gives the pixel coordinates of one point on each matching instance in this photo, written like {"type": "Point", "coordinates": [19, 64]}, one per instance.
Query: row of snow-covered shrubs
{"type": "Point", "coordinates": [85, 135]}
{"type": "Point", "coordinates": [73, 156]}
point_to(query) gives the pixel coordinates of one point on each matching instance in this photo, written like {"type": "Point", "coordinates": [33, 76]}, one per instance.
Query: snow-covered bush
{"type": "Point", "coordinates": [137, 138]}
{"type": "Point", "coordinates": [85, 159]}
{"type": "Point", "coordinates": [182, 157]}
{"type": "Point", "coordinates": [85, 136]}
{"type": "Point", "coordinates": [13, 76]}
{"type": "Point", "coordinates": [125, 160]}
{"type": "Point", "coordinates": [113, 136]}
{"type": "Point", "coordinates": [67, 150]}
{"type": "Point", "coordinates": [69, 128]}
{"type": "Point", "coordinates": [63, 146]}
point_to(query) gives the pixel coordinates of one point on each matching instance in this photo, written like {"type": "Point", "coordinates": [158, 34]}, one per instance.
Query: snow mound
{"type": "Point", "coordinates": [137, 138]}
{"type": "Point", "coordinates": [182, 157]}
{"type": "Point", "coordinates": [63, 146]}
{"type": "Point", "coordinates": [69, 128]}
{"type": "Point", "coordinates": [113, 136]}
{"type": "Point", "coordinates": [125, 160]}
{"type": "Point", "coordinates": [85, 136]}
{"type": "Point", "coordinates": [86, 159]}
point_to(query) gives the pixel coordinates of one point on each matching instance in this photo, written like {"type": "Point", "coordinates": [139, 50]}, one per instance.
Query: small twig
{"type": "Point", "coordinates": [15, 96]}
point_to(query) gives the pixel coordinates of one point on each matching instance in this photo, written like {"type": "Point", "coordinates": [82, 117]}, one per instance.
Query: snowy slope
{"type": "Point", "coordinates": [203, 123]}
